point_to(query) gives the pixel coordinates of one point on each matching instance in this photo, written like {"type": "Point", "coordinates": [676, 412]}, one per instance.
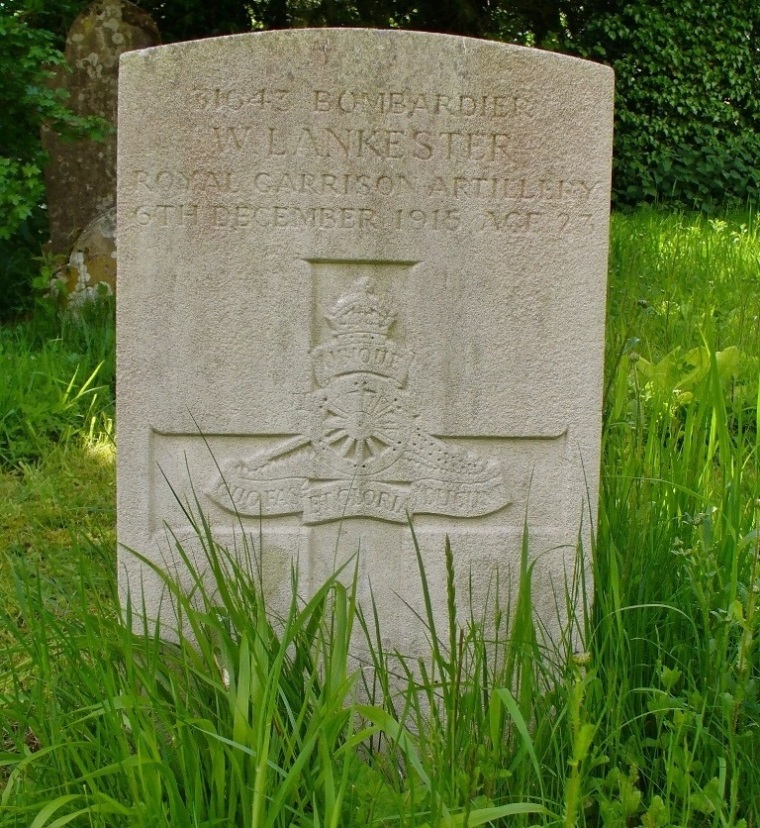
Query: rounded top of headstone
{"type": "Point", "coordinates": [360, 39]}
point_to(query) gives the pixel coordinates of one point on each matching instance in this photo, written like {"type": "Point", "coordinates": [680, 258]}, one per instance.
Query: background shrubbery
{"type": "Point", "coordinates": [655, 724]}
{"type": "Point", "coordinates": [687, 131]}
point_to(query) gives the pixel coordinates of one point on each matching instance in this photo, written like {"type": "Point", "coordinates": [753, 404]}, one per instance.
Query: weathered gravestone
{"type": "Point", "coordinates": [81, 177]}
{"type": "Point", "coordinates": [91, 269]}
{"type": "Point", "coordinates": [366, 271]}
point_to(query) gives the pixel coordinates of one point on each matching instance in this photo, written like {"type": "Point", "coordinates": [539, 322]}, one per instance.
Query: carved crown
{"type": "Point", "coordinates": [361, 311]}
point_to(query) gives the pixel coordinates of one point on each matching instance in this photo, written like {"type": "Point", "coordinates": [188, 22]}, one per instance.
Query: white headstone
{"type": "Point", "coordinates": [362, 278]}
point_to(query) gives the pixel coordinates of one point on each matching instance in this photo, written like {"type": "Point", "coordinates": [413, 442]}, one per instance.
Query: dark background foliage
{"type": "Point", "coordinates": [688, 116]}
{"type": "Point", "coordinates": [687, 120]}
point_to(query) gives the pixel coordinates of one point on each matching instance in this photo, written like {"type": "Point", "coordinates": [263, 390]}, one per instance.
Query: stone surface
{"type": "Point", "coordinates": [80, 179]}
{"type": "Point", "coordinates": [91, 270]}
{"type": "Point", "coordinates": [360, 284]}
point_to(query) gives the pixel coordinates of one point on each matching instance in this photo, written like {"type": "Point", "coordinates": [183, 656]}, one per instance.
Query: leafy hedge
{"type": "Point", "coordinates": [687, 124]}
{"type": "Point", "coordinates": [688, 117]}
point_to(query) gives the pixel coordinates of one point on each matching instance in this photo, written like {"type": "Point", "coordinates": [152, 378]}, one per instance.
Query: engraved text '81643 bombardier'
{"type": "Point", "coordinates": [366, 455]}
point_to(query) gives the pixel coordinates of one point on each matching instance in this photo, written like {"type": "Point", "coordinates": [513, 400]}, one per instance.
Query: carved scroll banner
{"type": "Point", "coordinates": [360, 287]}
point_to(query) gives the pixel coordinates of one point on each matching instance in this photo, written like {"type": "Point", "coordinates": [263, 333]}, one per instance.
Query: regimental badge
{"type": "Point", "coordinates": [367, 454]}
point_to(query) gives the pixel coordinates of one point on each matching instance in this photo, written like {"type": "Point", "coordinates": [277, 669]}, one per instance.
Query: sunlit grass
{"type": "Point", "coordinates": [249, 723]}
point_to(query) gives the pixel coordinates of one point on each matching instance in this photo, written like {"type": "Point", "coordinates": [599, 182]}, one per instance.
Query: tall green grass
{"type": "Point", "coordinates": [254, 721]}
{"type": "Point", "coordinates": [679, 513]}
{"type": "Point", "coordinates": [248, 722]}
{"type": "Point", "coordinates": [56, 450]}
{"type": "Point", "coordinates": [58, 381]}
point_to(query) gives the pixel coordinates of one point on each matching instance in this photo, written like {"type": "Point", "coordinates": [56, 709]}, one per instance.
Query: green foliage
{"type": "Point", "coordinates": [22, 188]}
{"type": "Point", "coordinates": [241, 722]}
{"type": "Point", "coordinates": [679, 521]}
{"type": "Point", "coordinates": [687, 130]}
{"type": "Point", "coordinates": [507, 20]}
{"type": "Point", "coordinates": [53, 514]}
{"type": "Point", "coordinates": [254, 720]}
{"type": "Point", "coordinates": [195, 19]}
{"type": "Point", "coordinates": [19, 265]}
{"type": "Point", "coordinates": [55, 16]}
{"type": "Point", "coordinates": [27, 57]}
{"type": "Point", "coordinates": [58, 381]}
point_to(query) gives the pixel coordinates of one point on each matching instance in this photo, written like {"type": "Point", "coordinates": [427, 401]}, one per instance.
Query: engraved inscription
{"type": "Point", "coordinates": [430, 219]}
{"type": "Point", "coordinates": [335, 159]}
{"type": "Point", "coordinates": [321, 218]}
{"type": "Point", "coordinates": [322, 183]}
{"type": "Point", "coordinates": [351, 101]}
{"type": "Point", "coordinates": [167, 215]}
{"type": "Point", "coordinates": [349, 144]}
{"type": "Point", "coordinates": [365, 454]}
{"type": "Point", "coordinates": [416, 103]}
{"type": "Point", "coordinates": [176, 181]}
{"type": "Point", "coordinates": [221, 217]}
{"type": "Point", "coordinates": [234, 100]}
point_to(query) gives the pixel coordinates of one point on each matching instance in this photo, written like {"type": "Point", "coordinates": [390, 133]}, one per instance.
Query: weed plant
{"type": "Point", "coordinates": [255, 721]}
